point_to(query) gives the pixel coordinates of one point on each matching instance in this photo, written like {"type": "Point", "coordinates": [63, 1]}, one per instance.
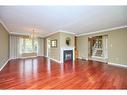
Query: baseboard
{"type": "Point", "coordinates": [99, 60]}
{"type": "Point", "coordinates": [79, 57]}
{"type": "Point", "coordinates": [15, 58]}
{"type": "Point", "coordinates": [4, 64]}
{"type": "Point", "coordinates": [24, 58]}
{"type": "Point", "coordinates": [55, 60]}
{"type": "Point", "coordinates": [46, 56]}
{"type": "Point", "coordinates": [27, 57]}
{"type": "Point", "coordinates": [82, 58]}
{"type": "Point", "coordinates": [119, 65]}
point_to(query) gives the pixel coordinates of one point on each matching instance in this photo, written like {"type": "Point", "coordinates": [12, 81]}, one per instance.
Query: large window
{"type": "Point", "coordinates": [28, 45]}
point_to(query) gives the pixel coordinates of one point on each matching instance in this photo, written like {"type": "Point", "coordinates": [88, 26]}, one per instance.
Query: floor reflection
{"type": "Point", "coordinates": [28, 69]}
{"type": "Point", "coordinates": [49, 67]}
{"type": "Point", "coordinates": [43, 73]}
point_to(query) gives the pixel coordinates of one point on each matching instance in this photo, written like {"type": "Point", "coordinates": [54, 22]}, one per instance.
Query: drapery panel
{"type": "Point", "coordinates": [16, 47]}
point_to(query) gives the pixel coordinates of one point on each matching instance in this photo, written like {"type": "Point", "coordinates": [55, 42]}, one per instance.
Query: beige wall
{"type": "Point", "coordinates": [4, 45]}
{"type": "Point", "coordinates": [82, 46]}
{"type": "Point", "coordinates": [63, 37]}
{"type": "Point", "coordinates": [54, 52]}
{"type": "Point", "coordinates": [41, 46]}
{"type": "Point", "coordinates": [117, 47]}
{"type": "Point", "coordinates": [60, 37]}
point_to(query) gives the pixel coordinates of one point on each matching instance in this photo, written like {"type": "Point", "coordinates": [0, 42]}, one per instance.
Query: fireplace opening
{"type": "Point", "coordinates": [68, 55]}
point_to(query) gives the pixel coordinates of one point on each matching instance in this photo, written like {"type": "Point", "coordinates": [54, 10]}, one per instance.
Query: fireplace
{"type": "Point", "coordinates": [68, 55]}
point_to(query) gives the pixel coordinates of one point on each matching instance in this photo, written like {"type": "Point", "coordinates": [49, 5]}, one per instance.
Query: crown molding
{"type": "Point", "coordinates": [59, 31]}
{"type": "Point", "coordinates": [100, 31]}
{"type": "Point", "coordinates": [4, 26]}
{"type": "Point", "coordinates": [14, 33]}
{"type": "Point", "coordinates": [62, 31]}
{"type": "Point", "coordinates": [49, 34]}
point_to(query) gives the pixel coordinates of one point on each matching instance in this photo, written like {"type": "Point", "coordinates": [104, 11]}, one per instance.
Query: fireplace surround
{"type": "Point", "coordinates": [67, 54]}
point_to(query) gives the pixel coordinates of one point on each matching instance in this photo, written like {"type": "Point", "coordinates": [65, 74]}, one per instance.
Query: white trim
{"type": "Point", "coordinates": [83, 58]}
{"type": "Point", "coordinates": [59, 31]}
{"type": "Point", "coordinates": [49, 34]}
{"type": "Point", "coordinates": [66, 48]}
{"type": "Point", "coordinates": [26, 57]}
{"type": "Point", "coordinates": [119, 65]}
{"type": "Point", "coordinates": [94, 59]}
{"type": "Point", "coordinates": [99, 60]}
{"type": "Point", "coordinates": [100, 31]}
{"type": "Point", "coordinates": [4, 26]}
{"type": "Point", "coordinates": [79, 57]}
{"type": "Point", "coordinates": [99, 57]}
{"type": "Point", "coordinates": [62, 31]}
{"type": "Point", "coordinates": [25, 34]}
{"type": "Point", "coordinates": [46, 56]}
{"type": "Point", "coordinates": [4, 64]}
{"type": "Point", "coordinates": [16, 33]}
{"type": "Point", "coordinates": [54, 60]}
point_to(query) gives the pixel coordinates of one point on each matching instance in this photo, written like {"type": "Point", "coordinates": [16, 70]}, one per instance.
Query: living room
{"type": "Point", "coordinates": [63, 47]}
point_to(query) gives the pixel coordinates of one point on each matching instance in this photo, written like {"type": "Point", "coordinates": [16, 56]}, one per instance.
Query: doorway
{"type": "Point", "coordinates": [98, 48]}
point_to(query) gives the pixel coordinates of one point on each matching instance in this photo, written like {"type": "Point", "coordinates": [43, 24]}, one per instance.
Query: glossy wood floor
{"type": "Point", "coordinates": [41, 73]}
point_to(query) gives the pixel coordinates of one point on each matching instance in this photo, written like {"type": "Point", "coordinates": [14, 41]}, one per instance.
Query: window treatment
{"type": "Point", "coordinates": [40, 47]}
{"type": "Point", "coordinates": [14, 46]}
{"type": "Point", "coordinates": [17, 48]}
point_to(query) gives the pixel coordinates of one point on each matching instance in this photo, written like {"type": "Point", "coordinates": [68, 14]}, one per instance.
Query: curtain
{"type": "Point", "coordinates": [14, 46]}
{"type": "Point", "coordinates": [105, 46]}
{"type": "Point", "coordinates": [40, 47]}
{"type": "Point", "coordinates": [17, 48]}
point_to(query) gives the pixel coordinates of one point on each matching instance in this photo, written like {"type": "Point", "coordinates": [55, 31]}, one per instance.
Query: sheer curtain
{"type": "Point", "coordinates": [40, 47]}
{"type": "Point", "coordinates": [17, 48]}
{"type": "Point", "coordinates": [14, 46]}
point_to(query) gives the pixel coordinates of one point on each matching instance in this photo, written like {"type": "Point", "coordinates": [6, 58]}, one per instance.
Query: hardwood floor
{"type": "Point", "coordinates": [41, 73]}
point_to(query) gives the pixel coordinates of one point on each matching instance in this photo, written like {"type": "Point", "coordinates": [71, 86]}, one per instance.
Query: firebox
{"type": "Point", "coordinates": [68, 55]}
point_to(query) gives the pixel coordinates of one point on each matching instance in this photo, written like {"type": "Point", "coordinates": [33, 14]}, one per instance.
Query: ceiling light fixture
{"type": "Point", "coordinates": [33, 35]}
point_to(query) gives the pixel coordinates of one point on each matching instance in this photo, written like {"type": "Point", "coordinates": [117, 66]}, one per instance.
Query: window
{"type": "Point", "coordinates": [54, 43]}
{"type": "Point", "coordinates": [28, 45]}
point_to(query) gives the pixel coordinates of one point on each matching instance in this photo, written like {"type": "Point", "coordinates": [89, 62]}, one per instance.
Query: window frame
{"type": "Point", "coordinates": [24, 46]}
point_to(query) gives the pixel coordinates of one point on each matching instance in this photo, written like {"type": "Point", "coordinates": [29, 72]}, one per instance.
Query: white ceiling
{"type": "Point", "coordinates": [50, 19]}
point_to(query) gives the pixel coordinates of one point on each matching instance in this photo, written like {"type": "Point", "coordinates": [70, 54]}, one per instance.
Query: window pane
{"type": "Point", "coordinates": [28, 45]}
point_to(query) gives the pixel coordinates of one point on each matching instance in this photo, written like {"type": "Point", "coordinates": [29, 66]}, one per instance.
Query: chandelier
{"type": "Point", "coordinates": [33, 35]}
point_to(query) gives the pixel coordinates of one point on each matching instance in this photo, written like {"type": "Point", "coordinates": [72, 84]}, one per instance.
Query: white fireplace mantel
{"type": "Point", "coordinates": [61, 53]}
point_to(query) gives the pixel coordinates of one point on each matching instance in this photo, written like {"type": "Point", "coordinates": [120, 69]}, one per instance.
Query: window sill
{"type": "Point", "coordinates": [29, 54]}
